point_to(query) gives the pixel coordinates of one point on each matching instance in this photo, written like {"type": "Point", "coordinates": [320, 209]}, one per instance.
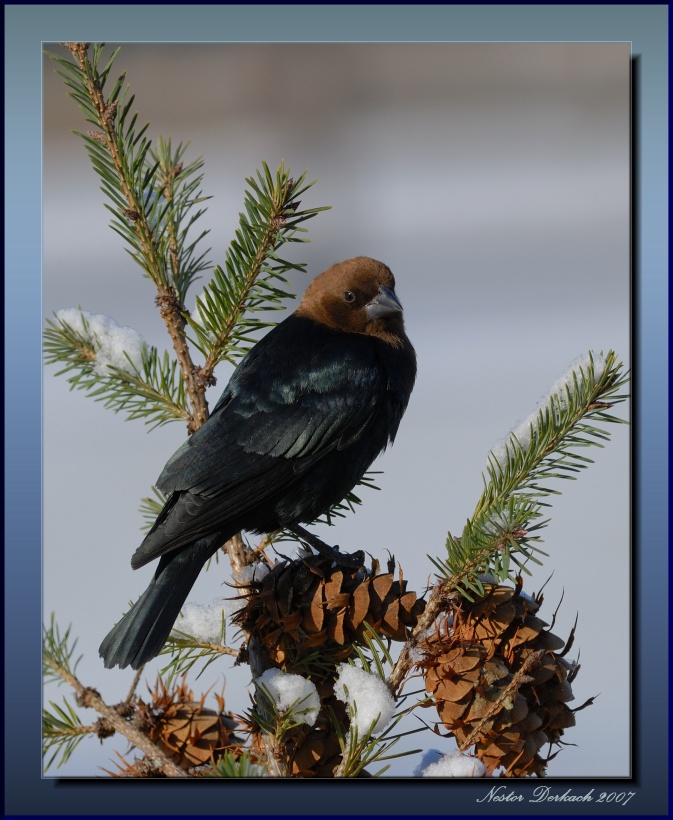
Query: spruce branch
{"type": "Point", "coordinates": [273, 726]}
{"type": "Point", "coordinates": [57, 661]}
{"type": "Point", "coordinates": [145, 205]}
{"type": "Point", "coordinates": [192, 375]}
{"type": "Point", "coordinates": [185, 651]}
{"type": "Point", "coordinates": [282, 702]}
{"type": "Point", "coordinates": [501, 536]}
{"type": "Point", "coordinates": [150, 508]}
{"type": "Point", "coordinates": [145, 386]}
{"type": "Point", "coordinates": [154, 198]}
{"type": "Point", "coordinates": [175, 203]}
{"type": "Point", "coordinates": [544, 445]}
{"type": "Point", "coordinates": [62, 731]}
{"type": "Point", "coordinates": [341, 509]}
{"type": "Point", "coordinates": [362, 750]}
{"type": "Point", "coordinates": [253, 278]}
{"type": "Point", "coordinates": [378, 654]}
{"type": "Point", "coordinates": [271, 719]}
{"type": "Point", "coordinates": [118, 154]}
{"type": "Point", "coordinates": [440, 598]}
{"type": "Point", "coordinates": [242, 765]}
{"type": "Point", "coordinates": [350, 502]}
{"type": "Point", "coordinates": [58, 652]}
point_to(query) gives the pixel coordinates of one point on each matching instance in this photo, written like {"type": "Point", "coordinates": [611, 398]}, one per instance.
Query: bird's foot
{"type": "Point", "coordinates": [342, 559]}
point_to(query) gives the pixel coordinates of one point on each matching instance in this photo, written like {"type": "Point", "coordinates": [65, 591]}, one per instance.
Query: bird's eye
{"type": "Point", "coordinates": [349, 296]}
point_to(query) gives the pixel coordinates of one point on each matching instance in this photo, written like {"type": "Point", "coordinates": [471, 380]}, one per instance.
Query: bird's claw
{"type": "Point", "coordinates": [349, 560]}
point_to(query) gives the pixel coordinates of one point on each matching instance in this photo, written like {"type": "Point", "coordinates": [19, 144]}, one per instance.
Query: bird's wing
{"type": "Point", "coordinates": [302, 392]}
{"type": "Point", "coordinates": [297, 397]}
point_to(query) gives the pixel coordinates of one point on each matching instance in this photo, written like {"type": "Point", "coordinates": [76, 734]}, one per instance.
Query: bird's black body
{"type": "Point", "coordinates": [302, 418]}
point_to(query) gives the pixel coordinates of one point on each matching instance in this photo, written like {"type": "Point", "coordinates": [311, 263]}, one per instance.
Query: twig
{"type": "Point", "coordinates": [513, 686]}
{"type": "Point", "coordinates": [240, 555]}
{"type": "Point", "coordinates": [267, 246]}
{"type": "Point", "coordinates": [193, 376]}
{"type": "Point", "coordinates": [340, 770]}
{"type": "Point", "coordinates": [134, 684]}
{"type": "Point", "coordinates": [91, 699]}
{"type": "Point", "coordinates": [169, 306]}
{"type": "Point", "coordinates": [224, 650]}
{"type": "Point", "coordinates": [434, 606]}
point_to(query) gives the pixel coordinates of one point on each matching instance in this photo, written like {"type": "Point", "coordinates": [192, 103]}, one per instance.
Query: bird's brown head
{"type": "Point", "coordinates": [356, 296]}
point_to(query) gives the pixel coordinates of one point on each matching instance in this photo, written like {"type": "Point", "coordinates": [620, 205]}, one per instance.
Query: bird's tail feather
{"type": "Point", "coordinates": [143, 631]}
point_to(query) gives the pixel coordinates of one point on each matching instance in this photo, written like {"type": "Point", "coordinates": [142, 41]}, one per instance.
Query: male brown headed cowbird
{"type": "Point", "coordinates": [302, 418]}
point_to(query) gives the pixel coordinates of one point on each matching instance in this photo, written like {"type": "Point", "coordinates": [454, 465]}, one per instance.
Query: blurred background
{"type": "Point", "coordinates": [494, 180]}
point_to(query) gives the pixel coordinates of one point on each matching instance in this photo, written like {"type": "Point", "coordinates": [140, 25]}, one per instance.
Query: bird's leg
{"type": "Point", "coordinates": [354, 559]}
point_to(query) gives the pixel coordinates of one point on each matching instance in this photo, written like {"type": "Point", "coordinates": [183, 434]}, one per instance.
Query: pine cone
{"type": "Point", "coordinates": [303, 604]}
{"type": "Point", "coordinates": [314, 751]}
{"type": "Point", "coordinates": [184, 729]}
{"type": "Point", "coordinates": [192, 735]}
{"type": "Point", "coordinates": [499, 682]}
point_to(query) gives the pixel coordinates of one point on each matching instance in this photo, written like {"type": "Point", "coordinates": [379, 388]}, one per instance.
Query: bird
{"type": "Point", "coordinates": [305, 413]}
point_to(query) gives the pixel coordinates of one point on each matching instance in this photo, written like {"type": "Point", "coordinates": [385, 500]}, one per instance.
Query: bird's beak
{"type": "Point", "coordinates": [385, 303]}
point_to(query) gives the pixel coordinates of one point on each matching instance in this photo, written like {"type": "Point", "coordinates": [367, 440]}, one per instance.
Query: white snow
{"type": "Point", "coordinates": [251, 572]}
{"type": "Point", "coordinates": [368, 698]}
{"type": "Point", "coordinates": [111, 343]}
{"type": "Point", "coordinates": [292, 692]}
{"type": "Point", "coordinates": [203, 622]}
{"type": "Point", "coordinates": [431, 756]}
{"type": "Point", "coordinates": [558, 393]}
{"type": "Point", "coordinates": [454, 764]}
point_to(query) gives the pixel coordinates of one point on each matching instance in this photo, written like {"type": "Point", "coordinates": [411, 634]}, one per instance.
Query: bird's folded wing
{"type": "Point", "coordinates": [284, 404]}
{"type": "Point", "coordinates": [278, 417]}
